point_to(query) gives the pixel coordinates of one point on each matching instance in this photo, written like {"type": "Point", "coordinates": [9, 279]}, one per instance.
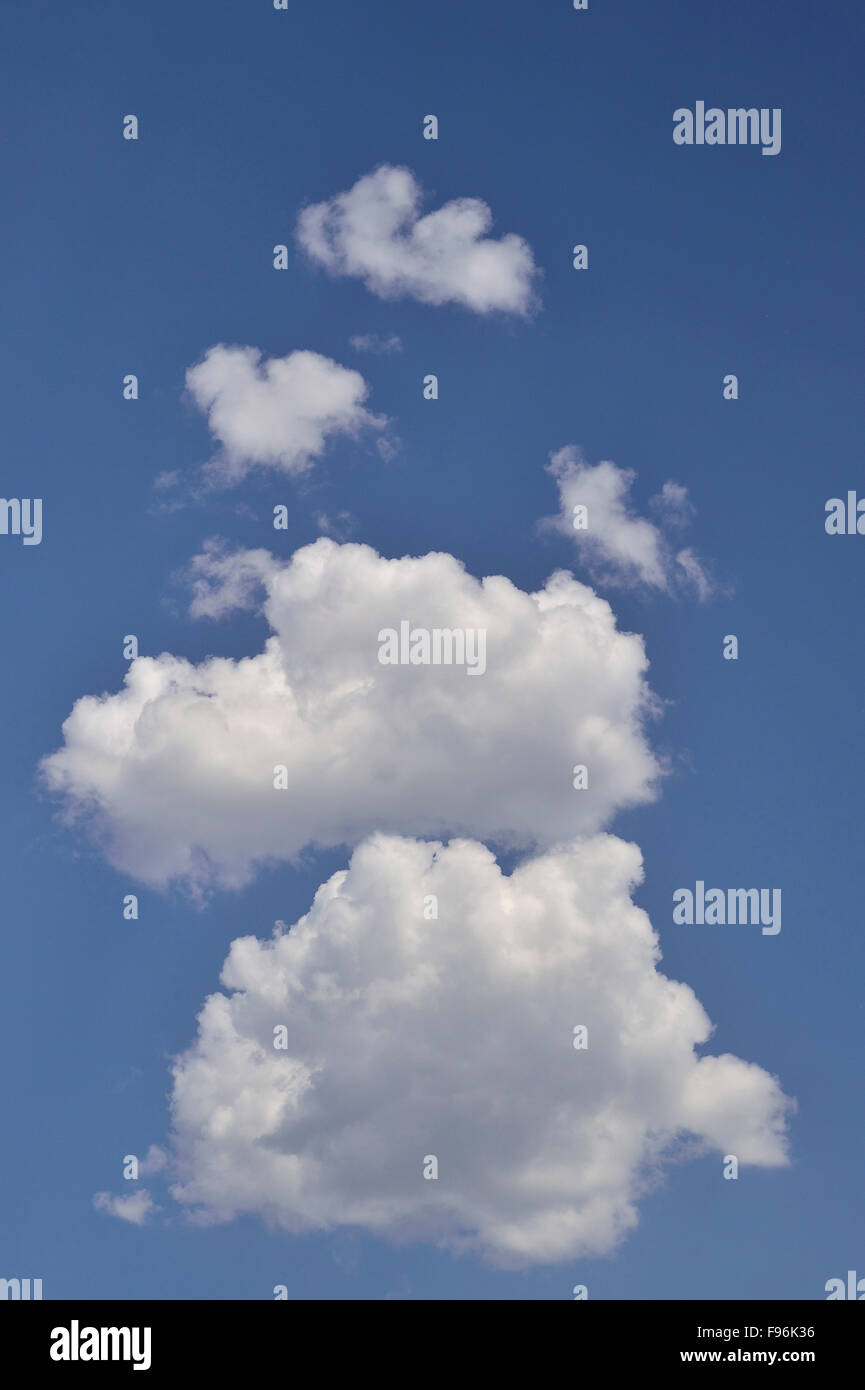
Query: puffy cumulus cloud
{"type": "Point", "coordinates": [176, 771]}
{"type": "Point", "coordinates": [137, 1208]}
{"type": "Point", "coordinates": [405, 1038]}
{"type": "Point", "coordinates": [376, 233]}
{"type": "Point", "coordinates": [618, 546]}
{"type": "Point", "coordinates": [277, 413]}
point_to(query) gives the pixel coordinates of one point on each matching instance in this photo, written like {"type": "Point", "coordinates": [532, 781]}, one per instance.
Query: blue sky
{"type": "Point", "coordinates": [137, 257]}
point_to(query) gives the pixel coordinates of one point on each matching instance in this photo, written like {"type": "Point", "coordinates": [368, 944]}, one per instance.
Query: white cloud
{"type": "Point", "coordinates": [673, 505]}
{"type": "Point", "coordinates": [375, 232]}
{"type": "Point", "coordinates": [453, 1037]}
{"type": "Point", "coordinates": [371, 342]}
{"type": "Point", "coordinates": [278, 413]}
{"type": "Point", "coordinates": [618, 546]}
{"type": "Point", "coordinates": [388, 446]}
{"type": "Point", "coordinates": [153, 1162]}
{"type": "Point", "coordinates": [338, 527]}
{"type": "Point", "coordinates": [175, 772]}
{"type": "Point", "coordinates": [165, 480]}
{"type": "Point", "coordinates": [137, 1208]}
{"type": "Point", "coordinates": [695, 574]}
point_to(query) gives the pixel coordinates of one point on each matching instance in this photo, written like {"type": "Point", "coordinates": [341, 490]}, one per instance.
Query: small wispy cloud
{"type": "Point", "coordinates": [166, 480]}
{"type": "Point", "coordinates": [371, 342]}
{"type": "Point", "coordinates": [338, 527]}
{"type": "Point", "coordinates": [154, 1161]}
{"type": "Point", "coordinates": [137, 1208]}
{"type": "Point", "coordinates": [618, 546]}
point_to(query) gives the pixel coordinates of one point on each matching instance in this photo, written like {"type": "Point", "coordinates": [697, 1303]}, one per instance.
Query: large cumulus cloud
{"type": "Point", "coordinates": [176, 770]}
{"type": "Point", "coordinates": [453, 1037]}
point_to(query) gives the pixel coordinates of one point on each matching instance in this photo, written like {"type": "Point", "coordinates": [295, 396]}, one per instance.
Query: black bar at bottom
{"type": "Point", "coordinates": [68, 1338]}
